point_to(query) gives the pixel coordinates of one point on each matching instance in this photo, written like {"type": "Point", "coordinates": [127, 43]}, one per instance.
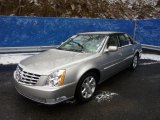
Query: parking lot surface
{"type": "Point", "coordinates": [129, 95]}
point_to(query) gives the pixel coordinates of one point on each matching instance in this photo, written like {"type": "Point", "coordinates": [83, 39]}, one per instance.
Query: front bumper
{"type": "Point", "coordinates": [44, 94]}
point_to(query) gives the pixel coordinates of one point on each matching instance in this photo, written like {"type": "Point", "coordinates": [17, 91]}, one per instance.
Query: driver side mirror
{"type": "Point", "coordinates": [111, 49]}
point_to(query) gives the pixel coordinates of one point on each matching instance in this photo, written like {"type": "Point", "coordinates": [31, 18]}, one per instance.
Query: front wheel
{"type": "Point", "coordinates": [134, 63]}
{"type": "Point", "coordinates": [86, 87]}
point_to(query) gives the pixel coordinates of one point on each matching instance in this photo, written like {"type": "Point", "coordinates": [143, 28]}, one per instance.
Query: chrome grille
{"type": "Point", "coordinates": [27, 77]}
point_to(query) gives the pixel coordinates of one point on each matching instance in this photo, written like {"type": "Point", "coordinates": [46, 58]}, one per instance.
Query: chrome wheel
{"type": "Point", "coordinates": [88, 87]}
{"type": "Point", "coordinates": [135, 61]}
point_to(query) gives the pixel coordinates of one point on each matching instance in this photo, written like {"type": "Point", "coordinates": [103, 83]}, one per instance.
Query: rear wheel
{"type": "Point", "coordinates": [86, 87]}
{"type": "Point", "coordinates": [135, 62]}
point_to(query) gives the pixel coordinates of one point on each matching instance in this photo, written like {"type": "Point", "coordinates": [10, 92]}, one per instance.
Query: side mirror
{"type": "Point", "coordinates": [111, 49]}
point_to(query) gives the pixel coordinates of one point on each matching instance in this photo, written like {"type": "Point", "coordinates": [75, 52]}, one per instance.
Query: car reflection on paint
{"type": "Point", "coordinates": [76, 67]}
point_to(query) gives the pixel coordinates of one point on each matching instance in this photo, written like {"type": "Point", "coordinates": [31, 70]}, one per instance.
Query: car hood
{"type": "Point", "coordinates": [46, 62]}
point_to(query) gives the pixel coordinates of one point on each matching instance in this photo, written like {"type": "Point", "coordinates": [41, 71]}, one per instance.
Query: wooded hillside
{"type": "Point", "coordinates": [111, 9]}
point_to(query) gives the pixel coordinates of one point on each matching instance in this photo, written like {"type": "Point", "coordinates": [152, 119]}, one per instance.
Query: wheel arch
{"type": "Point", "coordinates": [137, 53]}
{"type": "Point", "coordinates": [94, 70]}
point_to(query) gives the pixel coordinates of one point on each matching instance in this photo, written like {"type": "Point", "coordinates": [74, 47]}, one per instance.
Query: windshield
{"type": "Point", "coordinates": [83, 43]}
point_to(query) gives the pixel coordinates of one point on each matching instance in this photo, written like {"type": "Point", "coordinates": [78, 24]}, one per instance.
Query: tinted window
{"type": "Point", "coordinates": [123, 40]}
{"type": "Point", "coordinates": [113, 41]}
{"type": "Point", "coordinates": [129, 38]}
{"type": "Point", "coordinates": [132, 41]}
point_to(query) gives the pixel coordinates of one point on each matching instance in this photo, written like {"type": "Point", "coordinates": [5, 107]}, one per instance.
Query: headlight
{"type": "Point", "coordinates": [56, 78]}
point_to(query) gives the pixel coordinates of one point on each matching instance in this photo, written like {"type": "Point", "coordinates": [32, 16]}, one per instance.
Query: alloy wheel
{"type": "Point", "coordinates": [88, 87]}
{"type": "Point", "coordinates": [135, 61]}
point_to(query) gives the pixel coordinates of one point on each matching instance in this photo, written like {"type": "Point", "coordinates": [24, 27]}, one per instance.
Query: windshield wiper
{"type": "Point", "coordinates": [77, 44]}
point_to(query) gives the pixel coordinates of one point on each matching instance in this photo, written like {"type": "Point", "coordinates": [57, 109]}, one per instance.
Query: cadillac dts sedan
{"type": "Point", "coordinates": [76, 67]}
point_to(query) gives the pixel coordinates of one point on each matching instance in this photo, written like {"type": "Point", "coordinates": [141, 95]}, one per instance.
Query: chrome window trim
{"type": "Point", "coordinates": [101, 48]}
{"type": "Point", "coordinates": [125, 46]}
{"type": "Point", "coordinates": [104, 44]}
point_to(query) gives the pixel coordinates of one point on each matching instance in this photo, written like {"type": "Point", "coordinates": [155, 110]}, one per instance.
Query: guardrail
{"type": "Point", "coordinates": [150, 47]}
{"type": "Point", "coordinates": [25, 49]}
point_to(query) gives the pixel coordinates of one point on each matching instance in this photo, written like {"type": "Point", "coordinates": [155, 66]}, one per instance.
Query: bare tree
{"type": "Point", "coordinates": [113, 9]}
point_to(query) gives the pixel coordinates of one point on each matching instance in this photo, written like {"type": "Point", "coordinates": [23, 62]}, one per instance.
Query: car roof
{"type": "Point", "coordinates": [101, 32]}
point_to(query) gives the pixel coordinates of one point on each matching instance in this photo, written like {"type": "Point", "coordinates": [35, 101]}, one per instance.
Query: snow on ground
{"type": "Point", "coordinates": [155, 59]}
{"type": "Point", "coordinates": [105, 96]}
{"type": "Point", "coordinates": [101, 97]}
{"type": "Point", "coordinates": [151, 57]}
{"type": "Point", "coordinates": [6, 59]}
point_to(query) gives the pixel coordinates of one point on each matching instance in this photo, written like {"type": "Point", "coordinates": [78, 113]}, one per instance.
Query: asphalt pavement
{"type": "Point", "coordinates": [135, 96]}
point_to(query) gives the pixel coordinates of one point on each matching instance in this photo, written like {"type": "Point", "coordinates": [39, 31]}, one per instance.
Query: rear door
{"type": "Point", "coordinates": [126, 48]}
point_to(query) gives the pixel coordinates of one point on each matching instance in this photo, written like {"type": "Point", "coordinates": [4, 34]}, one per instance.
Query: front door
{"type": "Point", "coordinates": [111, 61]}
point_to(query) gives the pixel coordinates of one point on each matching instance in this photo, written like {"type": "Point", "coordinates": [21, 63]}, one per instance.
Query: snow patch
{"type": "Point", "coordinates": [150, 63]}
{"type": "Point", "coordinates": [151, 57]}
{"type": "Point", "coordinates": [6, 59]}
{"type": "Point", "coordinates": [70, 101]}
{"type": "Point", "coordinates": [105, 96]}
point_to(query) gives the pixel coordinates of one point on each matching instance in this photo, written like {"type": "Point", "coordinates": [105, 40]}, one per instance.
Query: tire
{"type": "Point", "coordinates": [86, 87]}
{"type": "Point", "coordinates": [135, 62]}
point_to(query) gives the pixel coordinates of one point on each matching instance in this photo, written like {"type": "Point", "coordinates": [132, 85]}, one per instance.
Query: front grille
{"type": "Point", "coordinates": [27, 77]}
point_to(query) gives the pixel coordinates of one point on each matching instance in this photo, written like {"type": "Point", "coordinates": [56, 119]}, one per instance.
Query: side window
{"type": "Point", "coordinates": [112, 41]}
{"type": "Point", "coordinates": [129, 39]}
{"type": "Point", "coordinates": [123, 40]}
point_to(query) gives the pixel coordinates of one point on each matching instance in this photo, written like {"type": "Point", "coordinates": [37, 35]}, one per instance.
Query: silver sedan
{"type": "Point", "coordinates": [76, 67]}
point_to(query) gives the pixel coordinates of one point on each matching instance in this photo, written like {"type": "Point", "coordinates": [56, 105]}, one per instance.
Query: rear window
{"type": "Point", "coordinates": [132, 41]}
{"type": "Point", "coordinates": [123, 40]}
